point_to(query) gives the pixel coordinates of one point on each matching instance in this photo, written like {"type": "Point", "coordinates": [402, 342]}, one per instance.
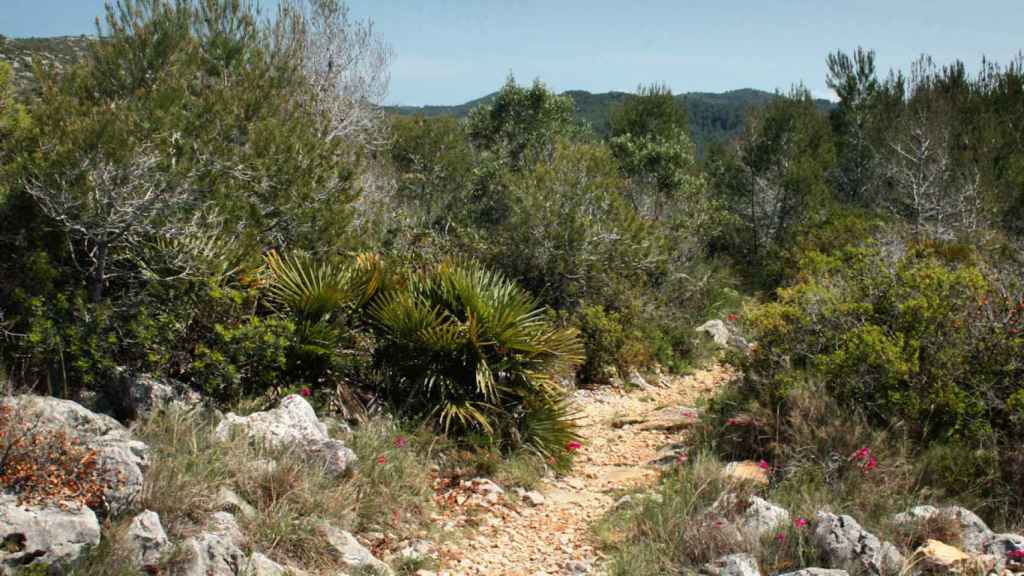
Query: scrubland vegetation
{"type": "Point", "coordinates": [214, 195]}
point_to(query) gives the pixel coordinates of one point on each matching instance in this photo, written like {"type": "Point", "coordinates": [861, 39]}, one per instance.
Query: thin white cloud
{"type": "Point", "coordinates": [825, 94]}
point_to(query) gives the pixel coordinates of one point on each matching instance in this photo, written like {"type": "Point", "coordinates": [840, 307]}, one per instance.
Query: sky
{"type": "Point", "coordinates": [451, 51]}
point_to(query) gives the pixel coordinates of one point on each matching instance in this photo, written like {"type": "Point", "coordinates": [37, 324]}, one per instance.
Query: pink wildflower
{"type": "Point", "coordinates": [400, 442]}
{"type": "Point", "coordinates": [1016, 554]}
{"type": "Point", "coordinates": [682, 457]}
{"type": "Point", "coordinates": [861, 454]}
{"type": "Point", "coordinates": [800, 522]}
{"type": "Point", "coordinates": [781, 537]}
{"type": "Point", "coordinates": [573, 446]}
{"type": "Point", "coordinates": [764, 465]}
{"type": "Point", "coordinates": [305, 392]}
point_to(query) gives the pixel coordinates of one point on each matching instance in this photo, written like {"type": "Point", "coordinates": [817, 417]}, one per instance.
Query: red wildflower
{"type": "Point", "coordinates": [400, 442]}
{"type": "Point", "coordinates": [573, 446]}
{"type": "Point", "coordinates": [871, 464]}
{"type": "Point", "coordinates": [731, 317]}
{"type": "Point", "coordinates": [305, 392]}
{"type": "Point", "coordinates": [732, 421]}
{"type": "Point", "coordinates": [764, 465]}
{"type": "Point", "coordinates": [800, 522]}
{"type": "Point", "coordinates": [382, 460]}
{"type": "Point", "coordinates": [1016, 554]}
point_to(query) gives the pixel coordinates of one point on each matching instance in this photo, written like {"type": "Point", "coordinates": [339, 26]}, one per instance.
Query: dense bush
{"type": "Point", "coordinates": [475, 353]}
{"type": "Point", "coordinates": [142, 185]}
{"type": "Point", "coordinates": [922, 341]}
{"type": "Point", "coordinates": [919, 339]}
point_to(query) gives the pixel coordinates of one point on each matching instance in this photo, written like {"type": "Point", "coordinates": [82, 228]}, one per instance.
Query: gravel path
{"type": "Point", "coordinates": [622, 434]}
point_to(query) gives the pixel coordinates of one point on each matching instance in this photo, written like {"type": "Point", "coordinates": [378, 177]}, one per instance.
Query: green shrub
{"type": "Point", "coordinates": [919, 347]}
{"type": "Point", "coordinates": [473, 352]}
{"type": "Point", "coordinates": [245, 359]}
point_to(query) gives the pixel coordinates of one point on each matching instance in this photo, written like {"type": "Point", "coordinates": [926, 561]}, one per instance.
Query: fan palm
{"type": "Point", "coordinates": [321, 297]}
{"type": "Point", "coordinates": [472, 350]}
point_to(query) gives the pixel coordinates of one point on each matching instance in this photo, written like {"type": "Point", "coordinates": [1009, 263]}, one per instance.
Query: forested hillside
{"type": "Point", "coordinates": [713, 118]}
{"type": "Point", "coordinates": [60, 52]}
{"type": "Point", "coordinates": [253, 323]}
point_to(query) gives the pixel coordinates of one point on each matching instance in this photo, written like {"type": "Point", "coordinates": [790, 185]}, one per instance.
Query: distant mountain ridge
{"type": "Point", "coordinates": [714, 117]}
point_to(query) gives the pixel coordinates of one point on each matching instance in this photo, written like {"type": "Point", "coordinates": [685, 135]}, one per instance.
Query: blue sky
{"type": "Point", "coordinates": [450, 51]}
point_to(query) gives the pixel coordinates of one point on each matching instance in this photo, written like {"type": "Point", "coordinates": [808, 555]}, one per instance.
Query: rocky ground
{"type": "Point", "coordinates": [547, 531]}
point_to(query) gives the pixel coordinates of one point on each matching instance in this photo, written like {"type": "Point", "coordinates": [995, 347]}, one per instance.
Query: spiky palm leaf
{"type": "Point", "coordinates": [321, 297]}
{"type": "Point", "coordinates": [469, 347]}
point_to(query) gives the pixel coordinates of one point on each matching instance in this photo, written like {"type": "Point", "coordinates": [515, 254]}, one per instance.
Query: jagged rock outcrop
{"type": "Point", "coordinates": [754, 517]}
{"type": "Point", "coordinates": [349, 552]}
{"type": "Point", "coordinates": [1008, 550]}
{"type": "Point", "coordinates": [146, 539]}
{"type": "Point", "coordinates": [849, 546]}
{"type": "Point", "coordinates": [144, 393]}
{"type": "Point", "coordinates": [733, 565]}
{"type": "Point", "coordinates": [260, 565]}
{"type": "Point", "coordinates": [215, 552]}
{"type": "Point", "coordinates": [974, 533]}
{"type": "Point", "coordinates": [122, 458]}
{"type": "Point", "coordinates": [43, 534]}
{"type": "Point", "coordinates": [720, 333]}
{"type": "Point", "coordinates": [293, 424]}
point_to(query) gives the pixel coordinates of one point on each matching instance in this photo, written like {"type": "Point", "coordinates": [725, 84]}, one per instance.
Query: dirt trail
{"type": "Point", "coordinates": [622, 434]}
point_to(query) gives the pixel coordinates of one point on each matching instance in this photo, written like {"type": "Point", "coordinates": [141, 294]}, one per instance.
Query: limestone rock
{"type": "Point", "coordinates": [211, 555]}
{"type": "Point", "coordinates": [746, 471]}
{"type": "Point", "coordinates": [733, 565]}
{"type": "Point", "coordinates": [1006, 548]}
{"type": "Point", "coordinates": [146, 539]}
{"type": "Point", "coordinates": [973, 530]}
{"type": "Point", "coordinates": [817, 572]}
{"type": "Point", "coordinates": [637, 380]}
{"type": "Point", "coordinates": [292, 424]}
{"type": "Point", "coordinates": [720, 333]}
{"type": "Point", "coordinates": [416, 550]}
{"type": "Point", "coordinates": [146, 393]}
{"type": "Point", "coordinates": [716, 330]}
{"type": "Point", "coordinates": [486, 487]}
{"type": "Point", "coordinates": [763, 517]}
{"type": "Point", "coordinates": [229, 501]}
{"type": "Point", "coordinates": [122, 459]}
{"type": "Point", "coordinates": [223, 524]}
{"type": "Point", "coordinates": [260, 565]}
{"type": "Point", "coordinates": [847, 545]}
{"type": "Point", "coordinates": [348, 550]}
{"type": "Point", "coordinates": [44, 535]}
{"type": "Point", "coordinates": [671, 455]}
{"type": "Point", "coordinates": [756, 516]}
{"type": "Point", "coordinates": [530, 497]}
